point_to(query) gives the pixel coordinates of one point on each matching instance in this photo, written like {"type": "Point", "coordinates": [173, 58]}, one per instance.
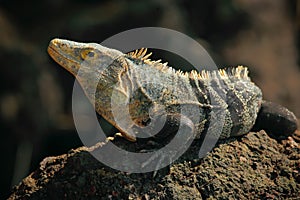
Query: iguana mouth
{"type": "Point", "coordinates": [55, 53]}
{"type": "Point", "coordinates": [62, 54]}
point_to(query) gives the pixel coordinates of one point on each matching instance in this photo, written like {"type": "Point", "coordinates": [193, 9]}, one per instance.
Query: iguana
{"type": "Point", "coordinates": [154, 86]}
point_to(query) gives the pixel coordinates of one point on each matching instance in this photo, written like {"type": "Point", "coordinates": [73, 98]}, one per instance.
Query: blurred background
{"type": "Point", "coordinates": [35, 93]}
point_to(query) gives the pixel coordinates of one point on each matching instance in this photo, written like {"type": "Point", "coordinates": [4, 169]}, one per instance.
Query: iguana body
{"type": "Point", "coordinates": [135, 81]}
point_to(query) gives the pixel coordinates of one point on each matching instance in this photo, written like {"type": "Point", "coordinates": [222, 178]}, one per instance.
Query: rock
{"type": "Point", "coordinates": [276, 120]}
{"type": "Point", "coordinates": [254, 166]}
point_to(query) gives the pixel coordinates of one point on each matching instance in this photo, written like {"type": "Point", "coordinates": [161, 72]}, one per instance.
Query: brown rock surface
{"type": "Point", "coordinates": [254, 166]}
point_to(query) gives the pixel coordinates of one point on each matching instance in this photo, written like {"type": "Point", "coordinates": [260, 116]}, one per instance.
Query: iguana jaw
{"type": "Point", "coordinates": [64, 53]}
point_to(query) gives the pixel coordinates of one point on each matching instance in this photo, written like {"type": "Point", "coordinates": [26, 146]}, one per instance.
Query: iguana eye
{"type": "Point", "coordinates": [87, 53]}
{"type": "Point", "coordinates": [91, 54]}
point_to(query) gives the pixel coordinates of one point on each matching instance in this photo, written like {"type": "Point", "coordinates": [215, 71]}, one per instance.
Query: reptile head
{"type": "Point", "coordinates": [74, 55]}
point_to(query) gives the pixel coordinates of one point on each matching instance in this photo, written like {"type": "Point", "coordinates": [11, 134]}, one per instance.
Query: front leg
{"type": "Point", "coordinates": [177, 135]}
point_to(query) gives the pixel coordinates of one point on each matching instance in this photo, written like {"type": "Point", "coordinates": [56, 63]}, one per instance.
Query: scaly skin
{"type": "Point", "coordinates": [152, 90]}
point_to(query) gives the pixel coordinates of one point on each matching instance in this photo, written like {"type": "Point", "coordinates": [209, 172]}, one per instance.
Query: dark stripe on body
{"type": "Point", "coordinates": [235, 108]}
{"type": "Point", "coordinates": [203, 97]}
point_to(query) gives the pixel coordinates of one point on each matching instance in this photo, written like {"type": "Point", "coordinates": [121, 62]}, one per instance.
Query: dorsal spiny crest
{"type": "Point", "coordinates": [239, 72]}
{"type": "Point", "coordinates": [141, 54]}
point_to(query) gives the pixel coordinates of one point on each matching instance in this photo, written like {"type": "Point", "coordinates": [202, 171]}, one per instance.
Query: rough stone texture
{"type": "Point", "coordinates": [251, 167]}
